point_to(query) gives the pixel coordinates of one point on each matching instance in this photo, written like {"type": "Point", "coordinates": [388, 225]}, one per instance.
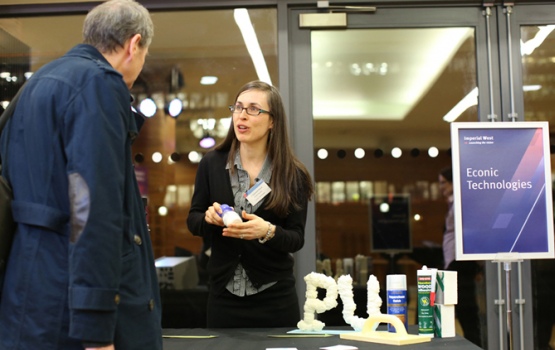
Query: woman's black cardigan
{"type": "Point", "coordinates": [263, 263]}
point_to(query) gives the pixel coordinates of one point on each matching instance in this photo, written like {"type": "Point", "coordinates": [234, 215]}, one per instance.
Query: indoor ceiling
{"type": "Point", "coordinates": [427, 71]}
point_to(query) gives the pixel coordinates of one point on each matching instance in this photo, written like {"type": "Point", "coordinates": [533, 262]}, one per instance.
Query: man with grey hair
{"type": "Point", "coordinates": [81, 270]}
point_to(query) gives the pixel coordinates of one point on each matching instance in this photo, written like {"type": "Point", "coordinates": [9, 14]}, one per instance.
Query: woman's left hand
{"type": "Point", "coordinates": [254, 228]}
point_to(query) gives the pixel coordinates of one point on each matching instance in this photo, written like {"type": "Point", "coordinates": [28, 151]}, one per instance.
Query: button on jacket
{"type": "Point", "coordinates": [76, 273]}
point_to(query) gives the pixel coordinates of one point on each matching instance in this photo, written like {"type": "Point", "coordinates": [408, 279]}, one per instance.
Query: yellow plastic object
{"type": "Point", "coordinates": [401, 337]}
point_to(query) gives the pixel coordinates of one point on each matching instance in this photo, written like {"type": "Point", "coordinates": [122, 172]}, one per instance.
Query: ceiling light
{"type": "Point", "coordinates": [194, 157]}
{"type": "Point", "coordinates": [208, 80]}
{"type": "Point", "coordinates": [207, 142]}
{"type": "Point", "coordinates": [433, 152]}
{"type": "Point", "coordinates": [531, 87]}
{"type": "Point", "coordinates": [396, 152]}
{"type": "Point", "coordinates": [468, 101]}
{"type": "Point", "coordinates": [322, 153]}
{"type": "Point", "coordinates": [355, 69]}
{"type": "Point", "coordinates": [359, 153]}
{"type": "Point", "coordinates": [147, 107]}
{"type": "Point", "coordinates": [244, 23]}
{"type": "Point", "coordinates": [162, 211]}
{"type": "Point", "coordinates": [528, 47]}
{"type": "Point", "coordinates": [431, 50]}
{"type": "Point", "coordinates": [156, 157]}
{"type": "Point", "coordinates": [175, 107]}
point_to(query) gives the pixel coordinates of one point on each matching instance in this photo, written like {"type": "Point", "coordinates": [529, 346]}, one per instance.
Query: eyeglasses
{"type": "Point", "coordinates": [251, 110]}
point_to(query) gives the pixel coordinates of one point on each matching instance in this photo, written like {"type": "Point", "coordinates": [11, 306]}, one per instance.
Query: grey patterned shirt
{"type": "Point", "coordinates": [240, 284]}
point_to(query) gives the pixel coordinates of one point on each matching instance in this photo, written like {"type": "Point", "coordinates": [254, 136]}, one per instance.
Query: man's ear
{"type": "Point", "coordinates": [134, 45]}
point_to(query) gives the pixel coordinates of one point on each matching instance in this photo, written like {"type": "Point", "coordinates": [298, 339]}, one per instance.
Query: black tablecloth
{"type": "Point", "coordinates": [261, 339]}
{"type": "Point", "coordinates": [187, 308]}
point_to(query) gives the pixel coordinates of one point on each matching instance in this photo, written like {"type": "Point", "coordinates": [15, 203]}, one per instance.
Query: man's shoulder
{"type": "Point", "coordinates": [81, 60]}
{"type": "Point", "coordinates": [77, 72]}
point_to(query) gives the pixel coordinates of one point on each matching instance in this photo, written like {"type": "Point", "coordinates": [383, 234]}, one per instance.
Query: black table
{"type": "Point", "coordinates": [259, 339]}
{"type": "Point", "coordinates": [184, 308]}
{"type": "Point", "coordinates": [187, 308]}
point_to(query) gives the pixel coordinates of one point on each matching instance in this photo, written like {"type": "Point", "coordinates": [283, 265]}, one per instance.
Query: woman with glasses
{"type": "Point", "coordinates": [254, 170]}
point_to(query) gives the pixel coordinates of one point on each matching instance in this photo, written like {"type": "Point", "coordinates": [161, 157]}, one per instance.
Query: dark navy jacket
{"type": "Point", "coordinates": [81, 266]}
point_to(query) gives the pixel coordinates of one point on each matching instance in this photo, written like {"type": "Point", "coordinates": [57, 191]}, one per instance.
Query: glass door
{"type": "Point", "coordinates": [371, 109]}
{"type": "Point", "coordinates": [533, 49]}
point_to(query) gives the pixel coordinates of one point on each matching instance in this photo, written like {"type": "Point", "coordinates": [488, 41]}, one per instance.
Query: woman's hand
{"type": "Point", "coordinates": [254, 228]}
{"type": "Point", "coordinates": [212, 215]}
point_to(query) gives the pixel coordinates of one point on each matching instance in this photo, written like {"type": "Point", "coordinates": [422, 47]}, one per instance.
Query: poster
{"type": "Point", "coordinates": [502, 190]}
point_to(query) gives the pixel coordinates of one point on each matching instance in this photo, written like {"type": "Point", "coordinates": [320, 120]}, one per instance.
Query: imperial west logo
{"type": "Point", "coordinates": [478, 140]}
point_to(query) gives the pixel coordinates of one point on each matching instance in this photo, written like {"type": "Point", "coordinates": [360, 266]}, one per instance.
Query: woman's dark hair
{"type": "Point", "coordinates": [291, 182]}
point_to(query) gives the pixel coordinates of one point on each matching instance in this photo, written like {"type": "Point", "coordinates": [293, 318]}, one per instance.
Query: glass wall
{"type": "Point", "coordinates": [381, 84]}
{"type": "Point", "coordinates": [538, 84]}
{"type": "Point", "coordinates": [383, 100]}
{"type": "Point", "coordinates": [202, 66]}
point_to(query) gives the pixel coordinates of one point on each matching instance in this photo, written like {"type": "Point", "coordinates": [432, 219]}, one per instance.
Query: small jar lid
{"type": "Point", "coordinates": [225, 208]}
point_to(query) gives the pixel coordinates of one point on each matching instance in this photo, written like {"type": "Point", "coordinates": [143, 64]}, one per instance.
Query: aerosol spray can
{"type": "Point", "coordinates": [397, 299]}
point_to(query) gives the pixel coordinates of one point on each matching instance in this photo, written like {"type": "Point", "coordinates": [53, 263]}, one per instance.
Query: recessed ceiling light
{"type": "Point", "coordinates": [243, 21]}
{"type": "Point", "coordinates": [148, 107]}
{"type": "Point", "coordinates": [175, 107]}
{"type": "Point", "coordinates": [396, 152]}
{"type": "Point", "coordinates": [531, 87]}
{"type": "Point", "coordinates": [194, 157]}
{"type": "Point", "coordinates": [433, 152]}
{"type": "Point", "coordinates": [208, 80]}
{"type": "Point", "coordinates": [157, 157]}
{"type": "Point", "coordinates": [322, 153]}
{"type": "Point", "coordinates": [207, 142]}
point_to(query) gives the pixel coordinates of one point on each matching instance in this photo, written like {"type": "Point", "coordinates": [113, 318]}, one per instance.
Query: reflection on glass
{"type": "Point", "coordinates": [386, 89]}
{"type": "Point", "coordinates": [352, 191]}
{"type": "Point", "coordinates": [337, 192]}
{"type": "Point", "coordinates": [538, 56]}
{"type": "Point", "coordinates": [538, 78]}
{"type": "Point", "coordinates": [200, 64]}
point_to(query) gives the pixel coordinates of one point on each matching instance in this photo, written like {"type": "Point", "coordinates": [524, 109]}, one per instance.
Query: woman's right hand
{"type": "Point", "coordinates": [212, 215]}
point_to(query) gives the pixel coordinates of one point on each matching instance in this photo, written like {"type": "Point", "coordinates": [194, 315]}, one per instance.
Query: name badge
{"type": "Point", "coordinates": [257, 192]}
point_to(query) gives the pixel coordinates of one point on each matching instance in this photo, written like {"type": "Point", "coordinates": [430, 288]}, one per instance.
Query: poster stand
{"type": "Point", "coordinates": [504, 210]}
{"type": "Point", "coordinates": [507, 266]}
